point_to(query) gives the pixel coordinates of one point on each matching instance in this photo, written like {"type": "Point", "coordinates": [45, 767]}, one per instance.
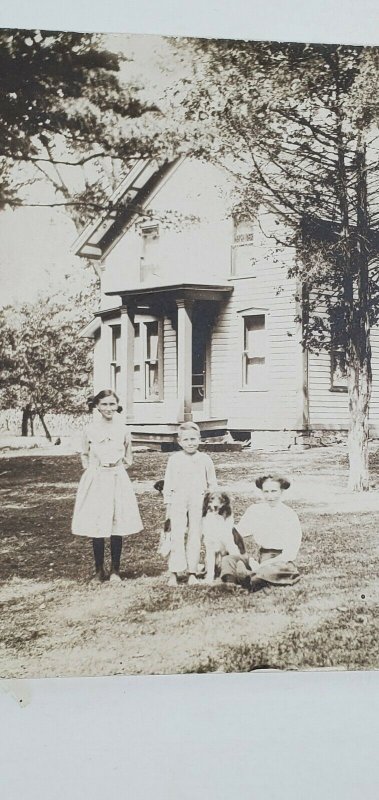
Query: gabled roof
{"type": "Point", "coordinates": [124, 205]}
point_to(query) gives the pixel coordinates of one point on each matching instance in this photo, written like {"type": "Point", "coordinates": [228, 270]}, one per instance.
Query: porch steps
{"type": "Point", "coordinates": [163, 436]}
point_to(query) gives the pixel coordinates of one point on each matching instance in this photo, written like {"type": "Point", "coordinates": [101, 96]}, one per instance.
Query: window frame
{"type": "Point", "coordinates": [263, 384]}
{"type": "Point", "coordinates": [338, 385]}
{"type": "Point", "coordinates": [145, 361]}
{"type": "Point", "coordinates": [236, 245]}
{"type": "Point", "coordinates": [148, 230]}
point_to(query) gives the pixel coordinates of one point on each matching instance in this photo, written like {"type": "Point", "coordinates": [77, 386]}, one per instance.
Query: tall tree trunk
{"type": "Point", "coordinates": [359, 387]}
{"type": "Point", "coordinates": [359, 371]}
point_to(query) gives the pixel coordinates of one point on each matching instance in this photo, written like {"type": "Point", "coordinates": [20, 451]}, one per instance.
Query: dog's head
{"type": "Point", "coordinates": [217, 503]}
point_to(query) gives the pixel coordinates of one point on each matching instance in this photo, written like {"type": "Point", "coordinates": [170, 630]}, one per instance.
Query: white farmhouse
{"type": "Point", "coordinates": [198, 319]}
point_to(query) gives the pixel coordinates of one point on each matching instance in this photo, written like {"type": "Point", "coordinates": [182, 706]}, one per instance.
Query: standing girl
{"type": "Point", "coordinates": [106, 506]}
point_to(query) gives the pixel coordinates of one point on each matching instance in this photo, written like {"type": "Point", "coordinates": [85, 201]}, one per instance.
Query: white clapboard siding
{"type": "Point", "coordinates": [328, 409]}
{"type": "Point", "coordinates": [279, 406]}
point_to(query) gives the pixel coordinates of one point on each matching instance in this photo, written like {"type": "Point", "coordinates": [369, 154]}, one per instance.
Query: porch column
{"type": "Point", "coordinates": [102, 359]}
{"type": "Point", "coordinates": [126, 378]}
{"type": "Point", "coordinates": [184, 360]}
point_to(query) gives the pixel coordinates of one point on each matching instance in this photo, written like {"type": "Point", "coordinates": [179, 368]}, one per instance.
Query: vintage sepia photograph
{"type": "Point", "coordinates": [189, 355]}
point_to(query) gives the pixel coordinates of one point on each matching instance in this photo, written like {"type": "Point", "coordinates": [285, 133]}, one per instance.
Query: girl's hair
{"type": "Point", "coordinates": [93, 402]}
{"type": "Point", "coordinates": [283, 482]}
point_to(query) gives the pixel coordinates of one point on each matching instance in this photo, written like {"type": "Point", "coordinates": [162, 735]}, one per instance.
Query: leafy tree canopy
{"type": "Point", "coordinates": [42, 358]}
{"type": "Point", "coordinates": [62, 104]}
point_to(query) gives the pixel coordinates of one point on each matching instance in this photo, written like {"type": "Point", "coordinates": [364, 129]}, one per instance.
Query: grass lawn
{"type": "Point", "coordinates": [54, 621]}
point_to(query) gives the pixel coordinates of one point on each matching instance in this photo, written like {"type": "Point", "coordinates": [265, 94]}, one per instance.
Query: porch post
{"type": "Point", "coordinates": [184, 360]}
{"type": "Point", "coordinates": [126, 379]}
{"type": "Point", "coordinates": [102, 359]}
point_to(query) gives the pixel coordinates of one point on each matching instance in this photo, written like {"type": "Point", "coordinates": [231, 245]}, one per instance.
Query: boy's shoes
{"type": "Point", "coordinates": [172, 581]}
{"type": "Point", "coordinates": [115, 576]}
{"type": "Point", "coordinates": [99, 576]}
{"type": "Point", "coordinates": [192, 580]}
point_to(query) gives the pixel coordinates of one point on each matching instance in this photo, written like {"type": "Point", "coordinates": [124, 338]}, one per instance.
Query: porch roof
{"type": "Point", "coordinates": [178, 291]}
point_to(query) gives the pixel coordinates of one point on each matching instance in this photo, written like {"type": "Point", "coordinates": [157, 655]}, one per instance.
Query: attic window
{"type": "Point", "coordinates": [149, 263]}
{"type": "Point", "coordinates": [243, 232]}
{"type": "Point", "coordinates": [242, 260]}
{"type": "Point", "coordinates": [150, 231]}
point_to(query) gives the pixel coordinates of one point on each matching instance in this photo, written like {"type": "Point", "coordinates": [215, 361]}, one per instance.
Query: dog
{"type": "Point", "coordinates": [220, 536]}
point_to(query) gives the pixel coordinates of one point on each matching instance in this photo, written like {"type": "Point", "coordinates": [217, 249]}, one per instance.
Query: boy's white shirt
{"type": "Point", "coordinates": [187, 475]}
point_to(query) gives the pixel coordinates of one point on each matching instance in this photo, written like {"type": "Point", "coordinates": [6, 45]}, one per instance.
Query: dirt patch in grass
{"type": "Point", "coordinates": [54, 621]}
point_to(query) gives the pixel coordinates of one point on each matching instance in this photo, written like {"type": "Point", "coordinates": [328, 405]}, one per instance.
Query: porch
{"type": "Point", "coordinates": [160, 363]}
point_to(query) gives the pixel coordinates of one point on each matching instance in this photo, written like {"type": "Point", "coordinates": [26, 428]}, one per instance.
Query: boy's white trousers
{"type": "Point", "coordinates": [185, 517]}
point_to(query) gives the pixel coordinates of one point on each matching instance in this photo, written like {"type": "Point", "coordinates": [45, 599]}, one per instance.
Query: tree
{"type": "Point", "coordinates": [63, 106]}
{"type": "Point", "coordinates": [42, 359]}
{"type": "Point", "coordinates": [296, 125]}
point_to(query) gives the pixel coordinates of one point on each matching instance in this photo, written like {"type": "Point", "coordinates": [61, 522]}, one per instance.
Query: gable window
{"type": "Point", "coordinates": [115, 362]}
{"type": "Point", "coordinates": [242, 260]}
{"type": "Point", "coordinates": [148, 359]}
{"type": "Point", "coordinates": [149, 262]}
{"type": "Point", "coordinates": [254, 353]}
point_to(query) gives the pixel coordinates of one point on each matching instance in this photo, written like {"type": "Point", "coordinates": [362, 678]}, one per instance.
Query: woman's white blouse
{"type": "Point", "coordinates": [276, 528]}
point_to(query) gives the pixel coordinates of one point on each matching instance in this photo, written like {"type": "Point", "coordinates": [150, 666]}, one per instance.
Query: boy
{"type": "Point", "coordinates": [189, 475]}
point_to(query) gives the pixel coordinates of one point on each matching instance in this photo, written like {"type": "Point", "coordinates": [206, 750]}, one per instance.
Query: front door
{"type": "Point", "coordinates": [201, 331]}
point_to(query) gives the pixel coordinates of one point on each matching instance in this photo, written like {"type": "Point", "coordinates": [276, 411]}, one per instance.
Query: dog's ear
{"type": "Point", "coordinates": [158, 485]}
{"type": "Point", "coordinates": [206, 503]}
{"type": "Point", "coordinates": [226, 508]}
{"type": "Point", "coordinates": [239, 541]}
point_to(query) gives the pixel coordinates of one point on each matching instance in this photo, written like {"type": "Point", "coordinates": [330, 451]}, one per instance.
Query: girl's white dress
{"type": "Point", "coordinates": [105, 502]}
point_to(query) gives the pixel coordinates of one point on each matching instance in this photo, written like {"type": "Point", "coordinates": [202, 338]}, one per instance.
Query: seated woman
{"type": "Point", "coordinates": [275, 528]}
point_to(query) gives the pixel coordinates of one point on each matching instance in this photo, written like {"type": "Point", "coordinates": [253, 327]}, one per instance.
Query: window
{"type": "Point", "coordinates": [254, 355]}
{"type": "Point", "coordinates": [338, 373]}
{"type": "Point", "coordinates": [148, 360]}
{"type": "Point", "coordinates": [149, 262]}
{"type": "Point", "coordinates": [115, 362]}
{"type": "Point", "coordinates": [242, 256]}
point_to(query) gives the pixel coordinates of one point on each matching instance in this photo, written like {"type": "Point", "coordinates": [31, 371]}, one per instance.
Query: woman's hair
{"type": "Point", "coordinates": [283, 482]}
{"type": "Point", "coordinates": [93, 402]}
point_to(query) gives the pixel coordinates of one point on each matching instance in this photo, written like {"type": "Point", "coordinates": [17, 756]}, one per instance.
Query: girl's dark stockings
{"type": "Point", "coordinates": [98, 551]}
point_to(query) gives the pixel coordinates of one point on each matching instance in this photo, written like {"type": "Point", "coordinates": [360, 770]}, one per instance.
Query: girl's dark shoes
{"type": "Point", "coordinates": [100, 575]}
